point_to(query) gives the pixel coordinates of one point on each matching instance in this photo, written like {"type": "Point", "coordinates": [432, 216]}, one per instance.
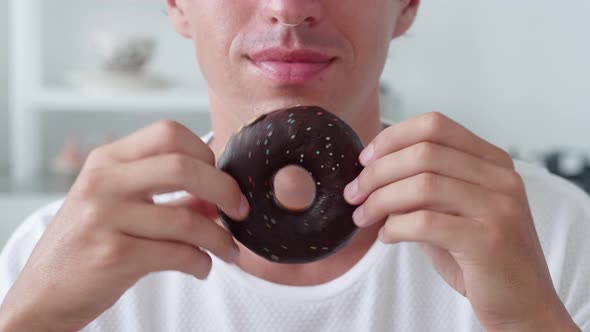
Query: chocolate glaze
{"type": "Point", "coordinates": [328, 149]}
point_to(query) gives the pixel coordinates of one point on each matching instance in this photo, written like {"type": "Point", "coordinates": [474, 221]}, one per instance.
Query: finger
{"type": "Point", "coordinates": [154, 256]}
{"type": "Point", "coordinates": [434, 158]}
{"type": "Point", "coordinates": [163, 137]}
{"type": "Point", "coordinates": [176, 172]}
{"type": "Point", "coordinates": [453, 233]}
{"type": "Point", "coordinates": [435, 128]}
{"type": "Point", "coordinates": [178, 225]}
{"type": "Point", "coordinates": [195, 204]}
{"type": "Point", "coordinates": [427, 191]}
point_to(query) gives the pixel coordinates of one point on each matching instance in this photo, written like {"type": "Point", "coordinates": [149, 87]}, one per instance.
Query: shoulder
{"type": "Point", "coordinates": [561, 212]}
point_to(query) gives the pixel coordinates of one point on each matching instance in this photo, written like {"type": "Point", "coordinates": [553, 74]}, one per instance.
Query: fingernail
{"type": "Point", "coordinates": [359, 215]}
{"type": "Point", "coordinates": [351, 191]}
{"type": "Point", "coordinates": [244, 207]}
{"type": "Point", "coordinates": [367, 155]}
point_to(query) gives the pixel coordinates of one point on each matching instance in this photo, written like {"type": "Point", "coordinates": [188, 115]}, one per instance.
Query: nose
{"type": "Point", "coordinates": [293, 12]}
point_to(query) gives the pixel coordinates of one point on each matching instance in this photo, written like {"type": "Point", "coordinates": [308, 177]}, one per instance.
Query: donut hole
{"type": "Point", "coordinates": [294, 188]}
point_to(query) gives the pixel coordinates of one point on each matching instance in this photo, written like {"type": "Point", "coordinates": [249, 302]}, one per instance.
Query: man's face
{"type": "Point", "coordinates": [269, 54]}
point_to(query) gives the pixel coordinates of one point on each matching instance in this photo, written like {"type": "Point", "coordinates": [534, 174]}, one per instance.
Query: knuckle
{"type": "Point", "coordinates": [426, 185]}
{"type": "Point", "coordinates": [96, 156]}
{"type": "Point", "coordinates": [515, 183]}
{"type": "Point", "coordinates": [424, 151]}
{"type": "Point", "coordinates": [168, 132]}
{"type": "Point", "coordinates": [179, 165]}
{"type": "Point", "coordinates": [112, 253]}
{"type": "Point", "coordinates": [88, 184]}
{"type": "Point", "coordinates": [434, 123]}
{"type": "Point", "coordinates": [424, 222]}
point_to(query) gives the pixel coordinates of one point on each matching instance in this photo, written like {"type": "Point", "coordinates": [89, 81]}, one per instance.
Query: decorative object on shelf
{"type": "Point", "coordinates": [122, 65]}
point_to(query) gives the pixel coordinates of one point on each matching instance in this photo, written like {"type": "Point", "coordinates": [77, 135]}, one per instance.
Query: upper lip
{"type": "Point", "coordinates": [290, 55]}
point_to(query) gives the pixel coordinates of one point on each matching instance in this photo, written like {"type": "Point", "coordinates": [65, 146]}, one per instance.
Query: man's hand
{"type": "Point", "coordinates": [435, 183]}
{"type": "Point", "coordinates": [109, 233]}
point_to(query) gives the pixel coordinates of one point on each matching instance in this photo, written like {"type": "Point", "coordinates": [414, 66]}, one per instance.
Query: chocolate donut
{"type": "Point", "coordinates": [319, 142]}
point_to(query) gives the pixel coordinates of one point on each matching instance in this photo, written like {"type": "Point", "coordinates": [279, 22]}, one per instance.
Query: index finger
{"type": "Point", "coordinates": [436, 128]}
{"type": "Point", "coordinates": [164, 137]}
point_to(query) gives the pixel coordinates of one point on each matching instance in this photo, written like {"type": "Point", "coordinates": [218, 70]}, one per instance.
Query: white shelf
{"type": "Point", "coordinates": [69, 100]}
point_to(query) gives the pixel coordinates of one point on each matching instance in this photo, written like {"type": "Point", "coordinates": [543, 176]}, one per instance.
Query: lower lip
{"type": "Point", "coordinates": [291, 72]}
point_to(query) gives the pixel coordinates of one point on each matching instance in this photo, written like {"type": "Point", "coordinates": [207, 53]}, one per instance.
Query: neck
{"type": "Point", "coordinates": [367, 124]}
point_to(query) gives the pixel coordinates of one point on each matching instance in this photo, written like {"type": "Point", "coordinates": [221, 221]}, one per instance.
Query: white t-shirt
{"type": "Point", "coordinates": [392, 288]}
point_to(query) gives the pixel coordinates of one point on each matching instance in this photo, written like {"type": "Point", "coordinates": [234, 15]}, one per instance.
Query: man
{"type": "Point", "coordinates": [448, 238]}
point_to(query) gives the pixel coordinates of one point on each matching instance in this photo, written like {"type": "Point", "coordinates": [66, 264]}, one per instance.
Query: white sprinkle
{"type": "Point", "coordinates": [250, 155]}
{"type": "Point", "coordinates": [270, 134]}
{"type": "Point", "coordinates": [318, 183]}
{"type": "Point", "coordinates": [292, 136]}
{"type": "Point", "coordinates": [325, 248]}
{"type": "Point", "coordinates": [342, 156]}
{"type": "Point", "coordinates": [313, 247]}
{"type": "Point", "coordinates": [331, 154]}
{"type": "Point", "coordinates": [248, 231]}
{"type": "Point", "coordinates": [329, 125]}
{"type": "Point", "coordinates": [272, 220]}
{"type": "Point", "coordinates": [288, 151]}
{"type": "Point", "coordinates": [333, 168]}
{"type": "Point", "coordinates": [284, 247]}
{"type": "Point", "coordinates": [267, 161]}
{"type": "Point", "coordinates": [274, 257]}
{"type": "Point", "coordinates": [322, 211]}
{"type": "Point", "coordinates": [250, 194]}
{"type": "Point", "coordinates": [322, 166]}
{"type": "Point", "coordinates": [265, 217]}
{"type": "Point", "coordinates": [327, 138]}
{"type": "Point", "coordinates": [308, 128]}
{"type": "Point", "coordinates": [302, 155]}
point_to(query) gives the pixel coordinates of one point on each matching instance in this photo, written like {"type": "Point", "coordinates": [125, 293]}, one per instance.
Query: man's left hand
{"type": "Point", "coordinates": [432, 181]}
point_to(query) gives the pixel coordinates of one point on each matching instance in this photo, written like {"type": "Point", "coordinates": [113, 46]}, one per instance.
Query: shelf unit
{"type": "Point", "coordinates": [31, 96]}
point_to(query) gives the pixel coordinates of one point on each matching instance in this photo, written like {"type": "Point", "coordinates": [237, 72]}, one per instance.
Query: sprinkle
{"type": "Point", "coordinates": [268, 226]}
{"type": "Point", "coordinates": [301, 160]}
{"type": "Point", "coordinates": [331, 154]}
{"type": "Point", "coordinates": [342, 156]}
{"type": "Point", "coordinates": [266, 249]}
{"type": "Point", "coordinates": [329, 125]}
{"type": "Point", "coordinates": [284, 247]}
{"type": "Point", "coordinates": [266, 141]}
{"type": "Point", "coordinates": [325, 218]}
{"type": "Point", "coordinates": [302, 155]}
{"type": "Point", "coordinates": [337, 165]}
{"type": "Point", "coordinates": [325, 248]}
{"type": "Point", "coordinates": [291, 115]}
{"type": "Point", "coordinates": [272, 220]}
{"type": "Point", "coordinates": [317, 152]}
{"type": "Point", "coordinates": [249, 232]}
{"type": "Point", "coordinates": [267, 152]}
{"type": "Point", "coordinates": [320, 113]}
{"type": "Point", "coordinates": [250, 194]}
{"type": "Point", "coordinates": [293, 136]}
{"type": "Point", "coordinates": [308, 128]}
{"type": "Point", "coordinates": [250, 155]}
{"type": "Point", "coordinates": [322, 211]}
{"type": "Point", "coordinates": [258, 142]}
{"type": "Point", "coordinates": [265, 217]}
{"type": "Point", "coordinates": [270, 134]}
{"type": "Point", "coordinates": [313, 247]}
{"type": "Point", "coordinates": [249, 179]}
{"type": "Point", "coordinates": [328, 138]}
{"type": "Point", "coordinates": [269, 125]}
{"type": "Point", "coordinates": [322, 166]}
{"type": "Point", "coordinates": [288, 151]}
{"type": "Point", "coordinates": [267, 161]}
{"type": "Point", "coordinates": [274, 257]}
{"type": "Point", "coordinates": [333, 168]}
{"type": "Point", "coordinates": [328, 146]}
{"type": "Point", "coordinates": [268, 195]}
{"type": "Point", "coordinates": [318, 183]}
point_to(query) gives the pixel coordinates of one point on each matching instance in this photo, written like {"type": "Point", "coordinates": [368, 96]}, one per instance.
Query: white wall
{"type": "Point", "coordinates": [515, 72]}
{"type": "Point", "coordinates": [4, 85]}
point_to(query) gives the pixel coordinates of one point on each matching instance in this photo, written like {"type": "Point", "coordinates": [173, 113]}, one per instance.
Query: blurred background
{"type": "Point", "coordinates": [77, 74]}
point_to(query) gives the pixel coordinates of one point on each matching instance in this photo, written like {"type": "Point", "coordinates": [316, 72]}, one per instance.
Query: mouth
{"type": "Point", "coordinates": [291, 66]}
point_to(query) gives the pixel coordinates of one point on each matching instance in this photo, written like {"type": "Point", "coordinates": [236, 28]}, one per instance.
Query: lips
{"type": "Point", "coordinates": [288, 66]}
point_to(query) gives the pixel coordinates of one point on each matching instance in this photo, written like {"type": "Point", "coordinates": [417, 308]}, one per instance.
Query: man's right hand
{"type": "Point", "coordinates": [109, 233]}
